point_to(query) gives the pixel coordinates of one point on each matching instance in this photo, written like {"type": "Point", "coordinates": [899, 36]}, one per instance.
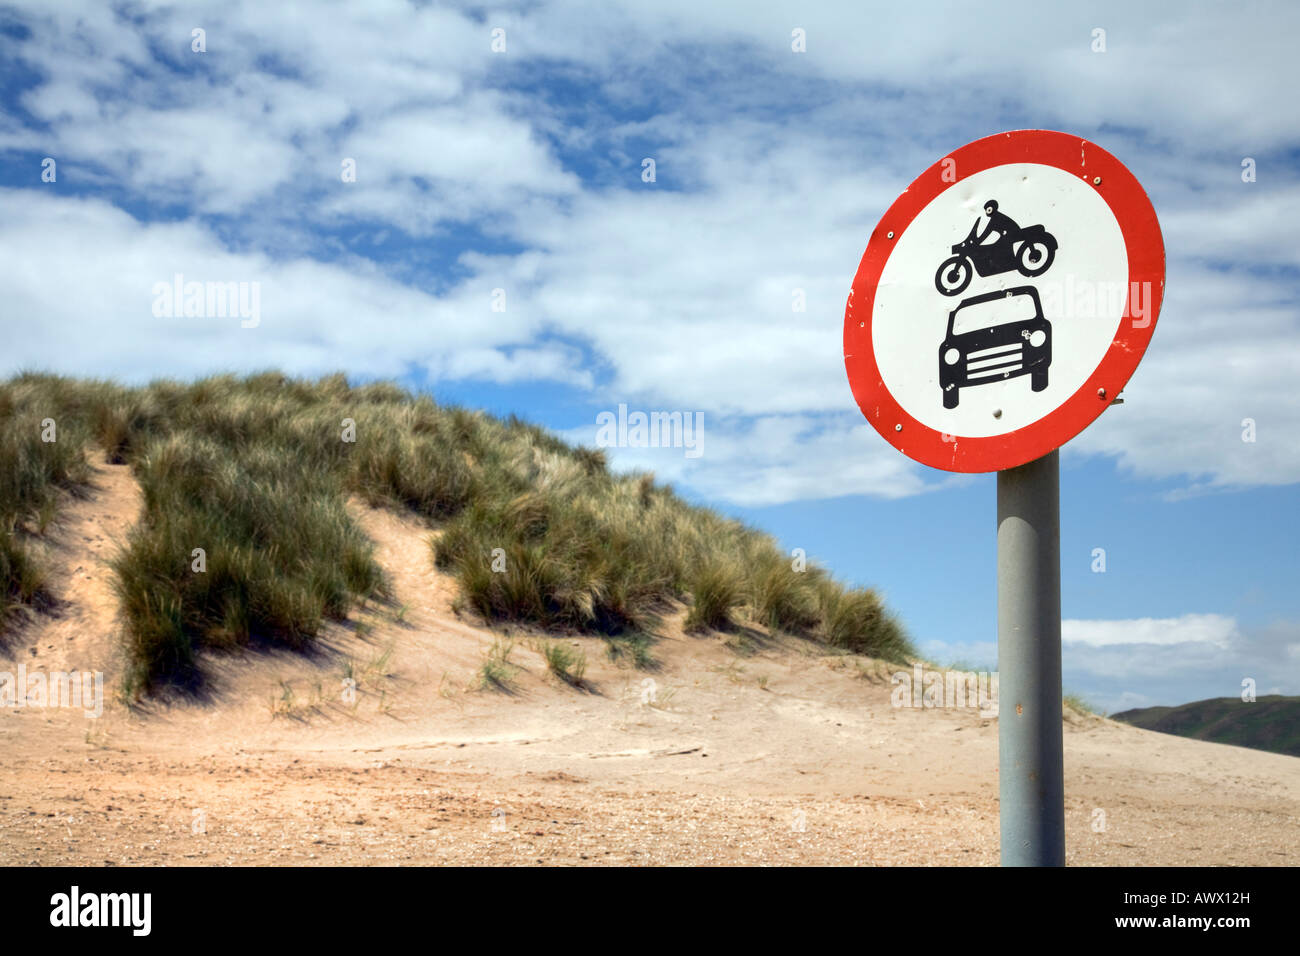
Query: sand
{"type": "Point", "coordinates": [746, 749]}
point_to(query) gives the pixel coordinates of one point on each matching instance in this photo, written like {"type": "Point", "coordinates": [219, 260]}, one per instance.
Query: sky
{"type": "Point", "coordinates": [458, 196]}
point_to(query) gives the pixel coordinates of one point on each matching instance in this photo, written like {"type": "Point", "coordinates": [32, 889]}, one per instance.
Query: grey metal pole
{"type": "Point", "coordinates": [1031, 785]}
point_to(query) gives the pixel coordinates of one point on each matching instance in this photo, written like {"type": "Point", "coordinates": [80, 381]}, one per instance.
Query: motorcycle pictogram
{"type": "Point", "coordinates": [1029, 251]}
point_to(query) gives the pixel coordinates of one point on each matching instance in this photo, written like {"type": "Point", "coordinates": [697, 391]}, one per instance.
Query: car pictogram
{"type": "Point", "coordinates": [994, 337]}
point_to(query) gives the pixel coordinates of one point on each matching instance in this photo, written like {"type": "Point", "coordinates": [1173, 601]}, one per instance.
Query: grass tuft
{"type": "Point", "coordinates": [715, 591]}
{"type": "Point", "coordinates": [497, 673]}
{"type": "Point", "coordinates": [564, 662]}
{"type": "Point", "coordinates": [856, 621]}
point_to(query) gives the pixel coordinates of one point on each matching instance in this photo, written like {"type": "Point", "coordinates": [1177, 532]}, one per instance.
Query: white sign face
{"type": "Point", "coordinates": [1000, 299]}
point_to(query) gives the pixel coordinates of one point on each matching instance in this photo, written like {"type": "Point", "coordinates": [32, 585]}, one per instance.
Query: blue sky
{"type": "Point", "coordinates": [521, 170]}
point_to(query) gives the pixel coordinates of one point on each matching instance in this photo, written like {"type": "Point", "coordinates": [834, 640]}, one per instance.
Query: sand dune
{"type": "Point", "coordinates": [738, 749]}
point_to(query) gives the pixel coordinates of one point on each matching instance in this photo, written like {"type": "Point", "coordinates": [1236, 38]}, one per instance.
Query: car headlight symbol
{"type": "Point", "coordinates": [952, 357]}
{"type": "Point", "coordinates": [1037, 338]}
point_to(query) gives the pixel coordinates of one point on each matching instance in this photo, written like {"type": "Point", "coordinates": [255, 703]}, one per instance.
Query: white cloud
{"type": "Point", "coordinates": [682, 290]}
{"type": "Point", "coordinates": [771, 459]}
{"type": "Point", "coordinates": [1209, 629]}
{"type": "Point", "coordinates": [476, 161]}
{"type": "Point", "coordinates": [79, 276]}
{"type": "Point", "coordinates": [495, 365]}
{"type": "Point", "coordinates": [1121, 664]}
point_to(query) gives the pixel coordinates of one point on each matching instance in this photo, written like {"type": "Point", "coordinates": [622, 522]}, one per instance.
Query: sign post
{"type": "Point", "coordinates": [987, 350]}
{"type": "Point", "coordinates": [1031, 774]}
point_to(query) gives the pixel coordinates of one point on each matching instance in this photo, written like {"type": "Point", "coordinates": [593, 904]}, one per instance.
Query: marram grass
{"type": "Point", "coordinates": [249, 477]}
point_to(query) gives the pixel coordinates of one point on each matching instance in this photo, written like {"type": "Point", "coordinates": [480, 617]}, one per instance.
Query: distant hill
{"type": "Point", "coordinates": [1269, 723]}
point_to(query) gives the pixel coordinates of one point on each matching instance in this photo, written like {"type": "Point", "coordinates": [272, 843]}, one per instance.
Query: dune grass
{"type": "Point", "coordinates": [715, 590]}
{"type": "Point", "coordinates": [1079, 705]}
{"type": "Point", "coordinates": [567, 664]}
{"type": "Point", "coordinates": [245, 535]}
{"type": "Point", "coordinates": [497, 673]}
{"type": "Point", "coordinates": [234, 547]}
{"type": "Point", "coordinates": [38, 459]}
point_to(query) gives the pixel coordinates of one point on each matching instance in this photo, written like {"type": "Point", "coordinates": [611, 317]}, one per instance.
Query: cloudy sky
{"type": "Point", "coordinates": [502, 245]}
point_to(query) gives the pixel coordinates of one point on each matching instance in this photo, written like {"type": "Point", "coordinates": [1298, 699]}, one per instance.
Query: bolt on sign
{"type": "Point", "coordinates": [1003, 301]}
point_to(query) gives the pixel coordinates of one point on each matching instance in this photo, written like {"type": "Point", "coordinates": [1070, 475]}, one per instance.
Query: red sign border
{"type": "Point", "coordinates": [1146, 258]}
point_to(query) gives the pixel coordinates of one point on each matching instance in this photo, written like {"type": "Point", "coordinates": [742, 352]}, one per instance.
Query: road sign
{"type": "Point", "coordinates": [1003, 301]}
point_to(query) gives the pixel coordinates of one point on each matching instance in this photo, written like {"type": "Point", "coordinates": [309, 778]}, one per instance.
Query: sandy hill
{"type": "Point", "coordinates": [739, 747]}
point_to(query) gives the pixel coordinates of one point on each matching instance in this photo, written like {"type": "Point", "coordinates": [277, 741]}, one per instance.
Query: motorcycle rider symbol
{"type": "Point", "coordinates": [1029, 250]}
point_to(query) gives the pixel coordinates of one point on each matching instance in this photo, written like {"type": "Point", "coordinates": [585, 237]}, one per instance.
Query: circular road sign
{"type": "Point", "coordinates": [1003, 301]}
